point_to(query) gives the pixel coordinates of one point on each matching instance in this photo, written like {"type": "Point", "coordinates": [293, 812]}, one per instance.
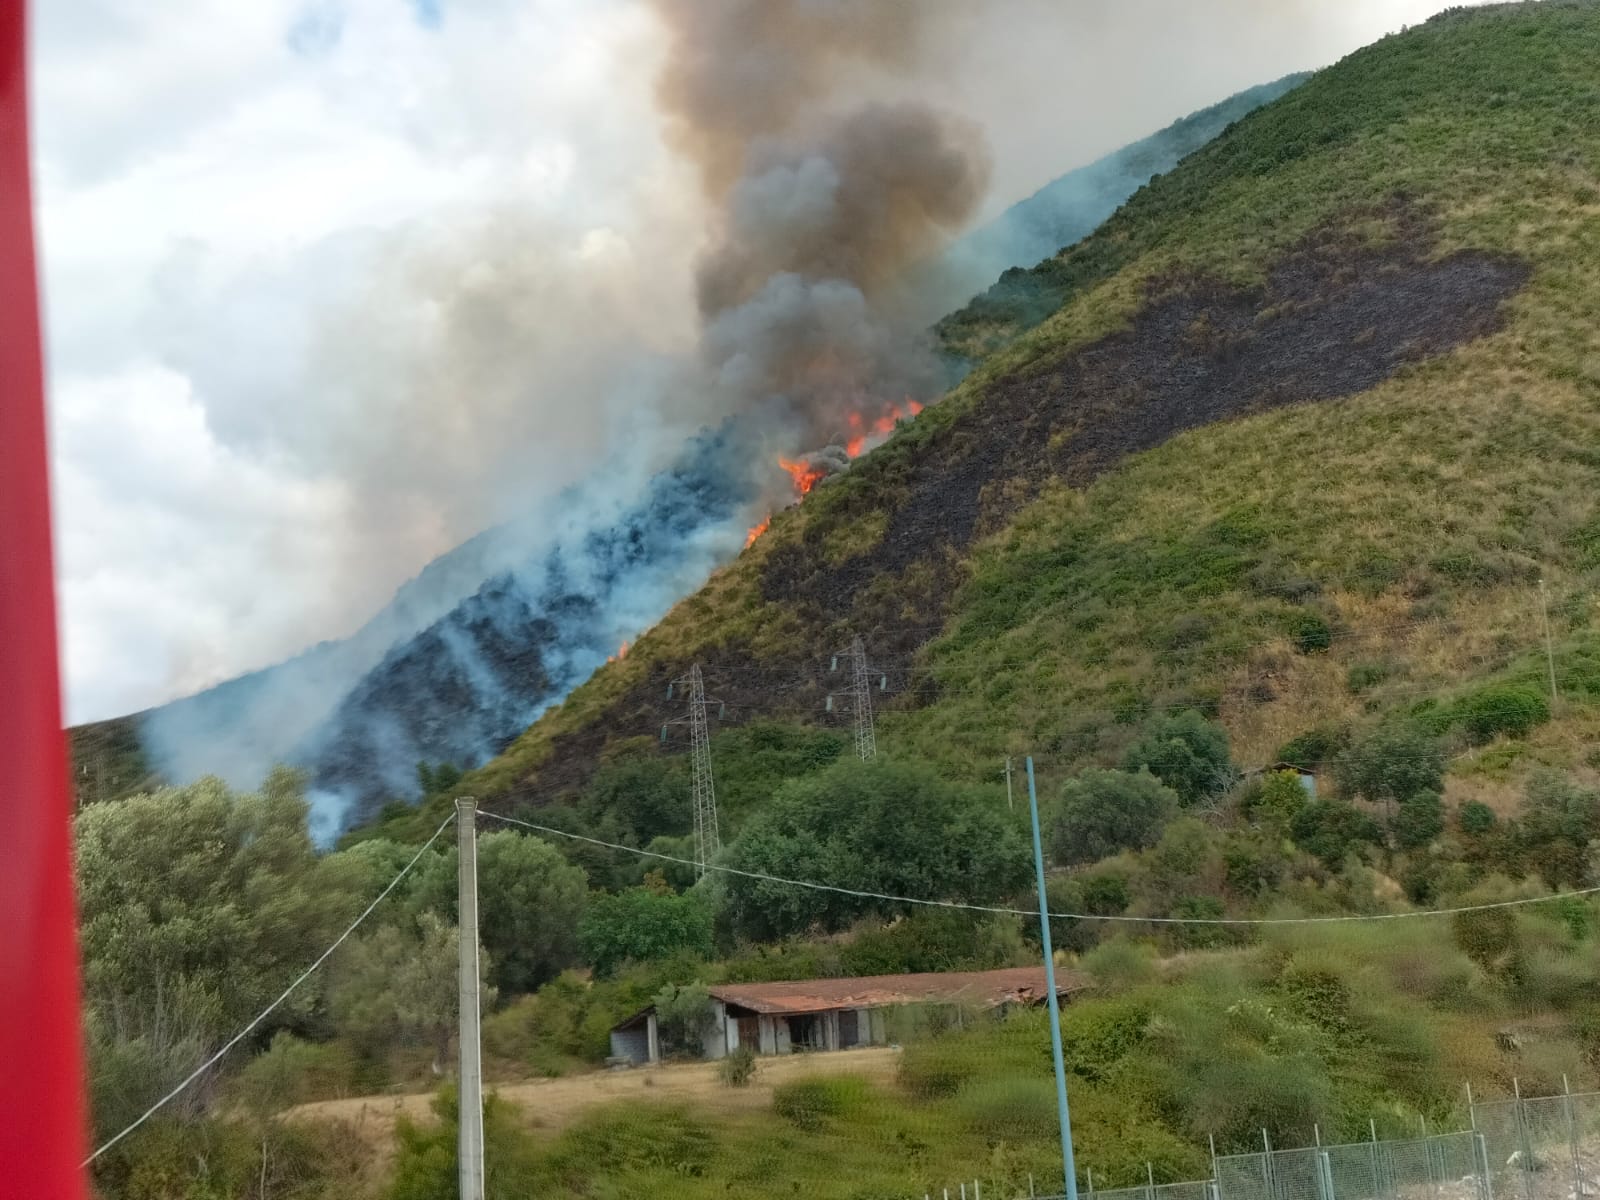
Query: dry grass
{"type": "Point", "coordinates": [551, 1105]}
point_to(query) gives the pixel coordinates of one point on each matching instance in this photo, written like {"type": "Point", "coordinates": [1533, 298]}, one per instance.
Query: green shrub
{"type": "Point", "coordinates": [1310, 632]}
{"type": "Point", "coordinates": [633, 1137]}
{"type": "Point", "coordinates": [809, 1103]}
{"type": "Point", "coordinates": [738, 1069]}
{"type": "Point", "coordinates": [1418, 820]}
{"type": "Point", "coordinates": [1010, 1110]}
{"type": "Point", "coordinates": [1313, 748]}
{"type": "Point", "coordinates": [1102, 812]}
{"type": "Point", "coordinates": [1187, 753]}
{"type": "Point", "coordinates": [1279, 799]}
{"type": "Point", "coordinates": [1500, 709]}
{"type": "Point", "coordinates": [1476, 818]}
{"type": "Point", "coordinates": [1364, 675]}
{"type": "Point", "coordinates": [1394, 761]}
{"type": "Point", "coordinates": [1331, 829]}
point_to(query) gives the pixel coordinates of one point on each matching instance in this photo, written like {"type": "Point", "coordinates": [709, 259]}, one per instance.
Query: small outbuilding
{"type": "Point", "coordinates": [835, 1014]}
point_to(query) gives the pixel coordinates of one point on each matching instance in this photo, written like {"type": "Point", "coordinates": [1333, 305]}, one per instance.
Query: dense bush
{"type": "Point", "coordinates": [738, 1068]}
{"type": "Point", "coordinates": [1332, 829]}
{"type": "Point", "coordinates": [1313, 749]}
{"type": "Point", "coordinates": [1010, 1109]}
{"type": "Point", "coordinates": [880, 826]}
{"type": "Point", "coordinates": [1187, 753]}
{"type": "Point", "coordinates": [808, 1103]}
{"type": "Point", "coordinates": [1418, 820]}
{"type": "Point", "coordinates": [1476, 818]}
{"type": "Point", "coordinates": [1500, 709]}
{"type": "Point", "coordinates": [1394, 761]}
{"type": "Point", "coordinates": [1278, 800]}
{"type": "Point", "coordinates": [1102, 812]}
{"type": "Point", "coordinates": [642, 925]}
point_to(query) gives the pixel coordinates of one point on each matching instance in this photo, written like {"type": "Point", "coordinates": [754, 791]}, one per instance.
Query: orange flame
{"type": "Point", "coordinates": [805, 475]}
{"type": "Point", "coordinates": [621, 654]}
{"type": "Point", "coordinates": [756, 531]}
{"type": "Point", "coordinates": [880, 428]}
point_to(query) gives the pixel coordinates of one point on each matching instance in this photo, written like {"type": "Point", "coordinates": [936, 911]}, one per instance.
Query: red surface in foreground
{"type": "Point", "coordinates": [41, 1106]}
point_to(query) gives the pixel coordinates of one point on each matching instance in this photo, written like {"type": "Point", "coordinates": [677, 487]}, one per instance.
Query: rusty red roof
{"type": "Point", "coordinates": [985, 989]}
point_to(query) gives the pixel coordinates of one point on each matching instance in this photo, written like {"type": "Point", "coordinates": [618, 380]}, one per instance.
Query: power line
{"type": "Point", "coordinates": [265, 1012]}
{"type": "Point", "coordinates": [763, 877]}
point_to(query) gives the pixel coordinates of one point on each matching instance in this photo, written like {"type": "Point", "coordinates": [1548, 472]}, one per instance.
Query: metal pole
{"type": "Point", "coordinates": [469, 1145]}
{"type": "Point", "coordinates": [1377, 1178]}
{"type": "Point", "coordinates": [1150, 1179]}
{"type": "Point", "coordinates": [1572, 1139]}
{"type": "Point", "coordinates": [1526, 1149]}
{"type": "Point", "coordinates": [1549, 645]}
{"type": "Point", "coordinates": [1472, 1109]}
{"type": "Point", "coordinates": [1009, 805]}
{"type": "Point", "coordinates": [1068, 1170]}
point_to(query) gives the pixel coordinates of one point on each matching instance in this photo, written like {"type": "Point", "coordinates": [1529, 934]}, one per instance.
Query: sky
{"type": "Point", "coordinates": [332, 285]}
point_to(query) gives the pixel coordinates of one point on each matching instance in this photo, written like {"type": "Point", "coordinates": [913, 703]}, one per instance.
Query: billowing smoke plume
{"type": "Point", "coordinates": [817, 213]}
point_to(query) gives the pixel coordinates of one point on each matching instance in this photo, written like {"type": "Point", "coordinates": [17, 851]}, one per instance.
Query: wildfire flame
{"type": "Point", "coordinates": [804, 474]}
{"type": "Point", "coordinates": [622, 653]}
{"type": "Point", "coordinates": [861, 433]}
{"type": "Point", "coordinates": [756, 531]}
{"type": "Point", "coordinates": [862, 437]}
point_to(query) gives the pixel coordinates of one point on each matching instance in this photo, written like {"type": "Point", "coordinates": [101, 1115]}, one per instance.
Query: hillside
{"type": "Point", "coordinates": [1264, 520]}
{"type": "Point", "coordinates": [495, 630]}
{"type": "Point", "coordinates": [1333, 373]}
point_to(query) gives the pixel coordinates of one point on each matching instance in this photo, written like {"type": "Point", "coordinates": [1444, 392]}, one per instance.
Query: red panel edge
{"type": "Point", "coordinates": [42, 1131]}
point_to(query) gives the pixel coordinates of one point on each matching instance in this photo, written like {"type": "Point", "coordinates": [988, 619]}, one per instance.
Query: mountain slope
{"type": "Point", "coordinates": [1349, 347]}
{"type": "Point", "coordinates": [492, 632]}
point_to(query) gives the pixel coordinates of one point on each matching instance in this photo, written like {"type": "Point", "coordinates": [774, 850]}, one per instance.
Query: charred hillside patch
{"type": "Point", "coordinates": [1338, 315]}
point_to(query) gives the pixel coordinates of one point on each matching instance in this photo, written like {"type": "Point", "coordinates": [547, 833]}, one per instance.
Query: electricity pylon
{"type": "Point", "coordinates": [860, 699]}
{"type": "Point", "coordinates": [703, 790]}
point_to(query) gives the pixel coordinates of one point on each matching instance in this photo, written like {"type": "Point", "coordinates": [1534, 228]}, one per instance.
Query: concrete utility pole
{"type": "Point", "coordinates": [1009, 805]}
{"type": "Point", "coordinates": [469, 1144]}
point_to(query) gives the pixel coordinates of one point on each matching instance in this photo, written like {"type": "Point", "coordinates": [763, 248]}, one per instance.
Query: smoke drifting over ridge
{"type": "Point", "coordinates": [815, 212]}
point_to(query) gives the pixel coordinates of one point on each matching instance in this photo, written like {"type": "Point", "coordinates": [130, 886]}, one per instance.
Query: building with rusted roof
{"type": "Point", "coordinates": [835, 1014]}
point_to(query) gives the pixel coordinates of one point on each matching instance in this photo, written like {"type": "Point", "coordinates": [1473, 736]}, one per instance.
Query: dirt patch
{"type": "Point", "coordinates": [1337, 316]}
{"type": "Point", "coordinates": [551, 1105]}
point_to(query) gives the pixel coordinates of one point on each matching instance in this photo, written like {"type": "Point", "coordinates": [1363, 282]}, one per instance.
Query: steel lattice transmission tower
{"type": "Point", "coordinates": [703, 790]}
{"type": "Point", "coordinates": [860, 694]}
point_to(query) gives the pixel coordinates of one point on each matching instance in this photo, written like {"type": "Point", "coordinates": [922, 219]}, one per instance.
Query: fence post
{"type": "Point", "coordinates": [1266, 1163]}
{"type": "Point", "coordinates": [1472, 1109]}
{"type": "Point", "coordinates": [1030, 1185]}
{"type": "Point", "coordinates": [1324, 1175]}
{"type": "Point", "coordinates": [1216, 1182]}
{"type": "Point", "coordinates": [1572, 1139]}
{"type": "Point", "coordinates": [1377, 1176]}
{"type": "Point", "coordinates": [1486, 1182]}
{"type": "Point", "coordinates": [1150, 1180]}
{"type": "Point", "coordinates": [1525, 1148]}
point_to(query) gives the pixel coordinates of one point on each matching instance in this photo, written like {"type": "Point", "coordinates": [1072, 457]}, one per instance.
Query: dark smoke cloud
{"type": "Point", "coordinates": [816, 210]}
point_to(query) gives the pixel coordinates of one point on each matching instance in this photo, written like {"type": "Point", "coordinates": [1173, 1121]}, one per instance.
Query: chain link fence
{"type": "Point", "coordinates": [1544, 1148]}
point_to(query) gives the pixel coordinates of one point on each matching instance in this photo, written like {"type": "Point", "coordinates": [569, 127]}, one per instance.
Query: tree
{"type": "Point", "coordinates": [641, 925]}
{"type": "Point", "coordinates": [530, 900]}
{"type": "Point", "coordinates": [878, 826]}
{"type": "Point", "coordinates": [648, 796]}
{"type": "Point", "coordinates": [400, 981]}
{"type": "Point", "coordinates": [203, 893]}
{"type": "Point", "coordinates": [1101, 813]}
{"type": "Point", "coordinates": [684, 1016]}
{"type": "Point", "coordinates": [1418, 820]}
{"type": "Point", "coordinates": [1331, 829]}
{"type": "Point", "coordinates": [1280, 798]}
{"type": "Point", "coordinates": [1394, 761]}
{"type": "Point", "coordinates": [1187, 753]}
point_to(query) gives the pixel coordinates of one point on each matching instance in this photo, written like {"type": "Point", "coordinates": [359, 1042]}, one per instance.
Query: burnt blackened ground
{"type": "Point", "coordinates": [1336, 316]}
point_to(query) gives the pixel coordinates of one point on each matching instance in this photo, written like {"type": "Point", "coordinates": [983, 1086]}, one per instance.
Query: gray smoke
{"type": "Point", "coordinates": [816, 212]}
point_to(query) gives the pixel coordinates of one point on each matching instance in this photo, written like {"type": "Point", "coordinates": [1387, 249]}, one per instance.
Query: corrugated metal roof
{"type": "Point", "coordinates": [985, 989]}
